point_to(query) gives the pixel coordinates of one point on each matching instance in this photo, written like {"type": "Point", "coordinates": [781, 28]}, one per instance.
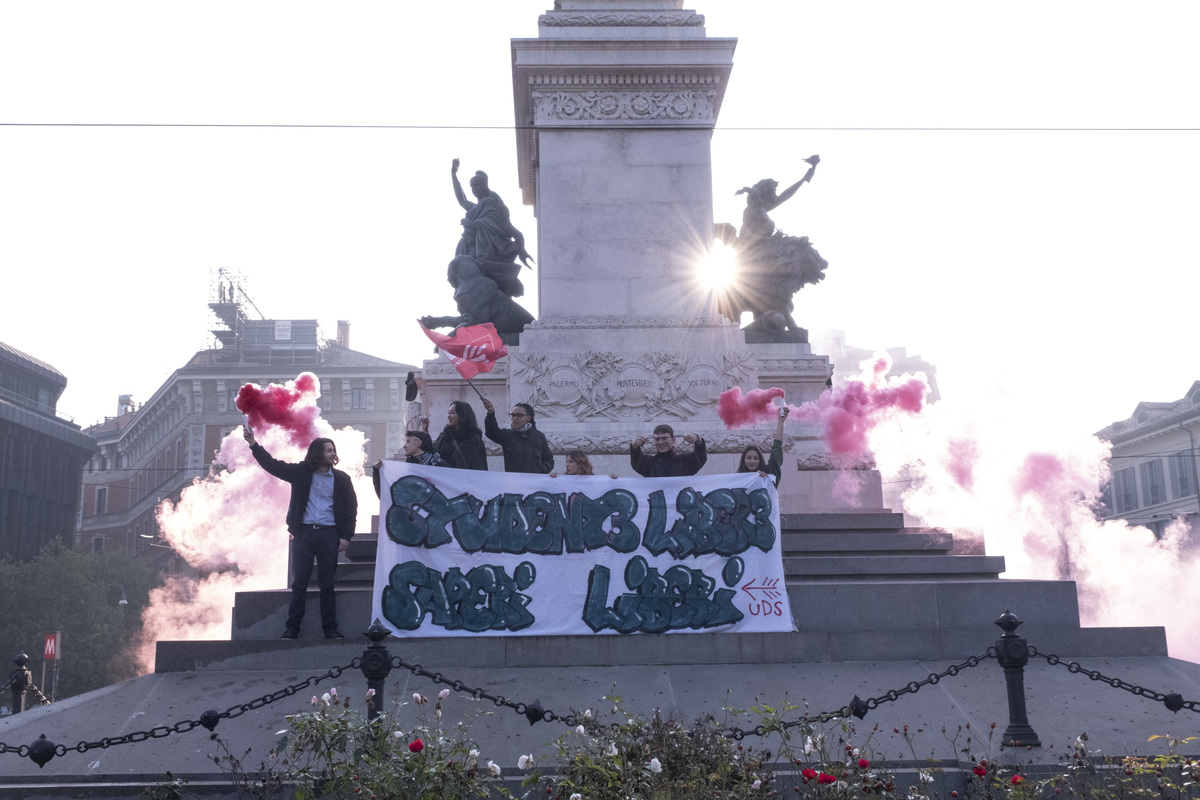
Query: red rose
{"type": "Point", "coordinates": [825, 777]}
{"type": "Point", "coordinates": [808, 773]}
{"type": "Point", "coordinates": [980, 771]}
{"type": "Point", "coordinates": [863, 763]}
{"type": "Point", "coordinates": [1017, 779]}
{"type": "Point", "coordinates": [416, 745]}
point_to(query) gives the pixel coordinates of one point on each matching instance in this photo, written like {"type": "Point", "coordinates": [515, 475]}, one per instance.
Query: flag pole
{"type": "Point", "coordinates": [468, 380]}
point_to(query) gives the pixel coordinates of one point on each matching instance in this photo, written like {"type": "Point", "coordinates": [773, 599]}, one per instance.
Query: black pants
{"type": "Point", "coordinates": [321, 543]}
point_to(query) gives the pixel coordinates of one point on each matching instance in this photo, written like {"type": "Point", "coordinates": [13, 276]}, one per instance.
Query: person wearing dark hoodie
{"type": "Point", "coordinates": [525, 447]}
{"type": "Point", "coordinates": [418, 449]}
{"type": "Point", "coordinates": [460, 444]}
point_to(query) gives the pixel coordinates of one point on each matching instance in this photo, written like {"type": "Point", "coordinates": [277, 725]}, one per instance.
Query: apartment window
{"type": "Point", "coordinates": [1183, 474]}
{"type": "Point", "coordinates": [102, 501]}
{"type": "Point", "coordinates": [98, 544]}
{"type": "Point", "coordinates": [1153, 486]}
{"type": "Point", "coordinates": [1125, 490]}
{"type": "Point", "coordinates": [358, 398]}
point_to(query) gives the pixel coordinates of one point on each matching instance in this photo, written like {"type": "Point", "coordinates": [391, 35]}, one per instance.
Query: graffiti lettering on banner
{"type": "Point", "coordinates": [471, 553]}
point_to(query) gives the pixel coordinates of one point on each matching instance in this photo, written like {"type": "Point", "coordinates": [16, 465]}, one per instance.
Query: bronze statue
{"type": "Point", "coordinates": [485, 270]}
{"type": "Point", "coordinates": [771, 266]}
{"type": "Point", "coordinates": [479, 299]}
{"type": "Point", "coordinates": [488, 235]}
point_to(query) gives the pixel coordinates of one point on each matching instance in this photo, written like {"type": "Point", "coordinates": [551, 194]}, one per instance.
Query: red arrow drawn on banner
{"type": "Point", "coordinates": [767, 588]}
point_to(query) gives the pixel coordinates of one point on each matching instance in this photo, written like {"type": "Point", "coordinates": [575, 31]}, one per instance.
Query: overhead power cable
{"type": "Point", "coordinates": [808, 128]}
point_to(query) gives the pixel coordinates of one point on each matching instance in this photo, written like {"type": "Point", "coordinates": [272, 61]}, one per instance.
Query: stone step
{"type": "Point", "coordinates": [880, 606]}
{"type": "Point", "coordinates": [900, 568]}
{"type": "Point", "coordinates": [500, 652]}
{"type": "Point", "coordinates": [866, 543]}
{"type": "Point", "coordinates": [861, 520]}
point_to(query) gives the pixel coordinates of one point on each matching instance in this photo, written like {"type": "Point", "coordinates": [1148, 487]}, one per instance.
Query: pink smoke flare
{"type": "Point", "coordinates": [755, 408]}
{"type": "Point", "coordinates": [846, 413]}
{"type": "Point", "coordinates": [291, 407]}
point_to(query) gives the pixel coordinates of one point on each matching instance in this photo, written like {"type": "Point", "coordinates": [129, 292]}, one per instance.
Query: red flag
{"type": "Point", "coordinates": [471, 349]}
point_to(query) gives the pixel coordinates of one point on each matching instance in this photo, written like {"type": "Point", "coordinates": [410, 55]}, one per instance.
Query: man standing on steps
{"type": "Point", "coordinates": [320, 521]}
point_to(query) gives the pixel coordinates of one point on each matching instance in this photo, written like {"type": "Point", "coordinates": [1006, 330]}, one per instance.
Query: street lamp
{"type": "Point", "coordinates": [121, 589]}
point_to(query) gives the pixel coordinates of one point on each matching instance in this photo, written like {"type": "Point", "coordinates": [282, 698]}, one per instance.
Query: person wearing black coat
{"type": "Point", "coordinates": [321, 516]}
{"type": "Point", "coordinates": [525, 447]}
{"type": "Point", "coordinates": [666, 463]}
{"type": "Point", "coordinates": [460, 444]}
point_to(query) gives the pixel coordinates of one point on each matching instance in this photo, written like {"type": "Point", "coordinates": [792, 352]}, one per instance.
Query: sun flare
{"type": "Point", "coordinates": [716, 270]}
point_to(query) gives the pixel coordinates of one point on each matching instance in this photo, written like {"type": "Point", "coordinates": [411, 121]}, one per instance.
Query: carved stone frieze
{"type": "Point", "coordinates": [776, 366]}
{"type": "Point", "coordinates": [721, 441]}
{"type": "Point", "coordinates": [620, 19]}
{"type": "Point", "coordinates": [823, 461]}
{"type": "Point", "coordinates": [577, 106]}
{"type": "Point", "coordinates": [437, 369]}
{"type": "Point", "coordinates": [626, 387]}
{"type": "Point", "coordinates": [553, 323]}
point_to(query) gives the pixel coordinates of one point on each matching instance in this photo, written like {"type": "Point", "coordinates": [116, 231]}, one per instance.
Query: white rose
{"type": "Point", "coordinates": [493, 769]}
{"type": "Point", "coordinates": [612, 750]}
{"type": "Point", "coordinates": [655, 766]}
{"type": "Point", "coordinates": [525, 762]}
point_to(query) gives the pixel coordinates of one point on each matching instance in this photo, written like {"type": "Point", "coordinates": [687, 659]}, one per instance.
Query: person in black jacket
{"type": "Point", "coordinates": [418, 449]}
{"type": "Point", "coordinates": [321, 517]}
{"type": "Point", "coordinates": [666, 463]}
{"type": "Point", "coordinates": [525, 448]}
{"type": "Point", "coordinates": [460, 444]}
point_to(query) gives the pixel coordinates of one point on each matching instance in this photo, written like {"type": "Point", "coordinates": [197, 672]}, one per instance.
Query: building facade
{"type": "Point", "coordinates": [150, 452]}
{"type": "Point", "coordinates": [42, 454]}
{"type": "Point", "coordinates": [847, 360]}
{"type": "Point", "coordinates": [1154, 464]}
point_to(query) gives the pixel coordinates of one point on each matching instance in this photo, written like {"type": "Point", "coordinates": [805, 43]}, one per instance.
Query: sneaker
{"type": "Point", "coordinates": [334, 634]}
{"type": "Point", "coordinates": [291, 633]}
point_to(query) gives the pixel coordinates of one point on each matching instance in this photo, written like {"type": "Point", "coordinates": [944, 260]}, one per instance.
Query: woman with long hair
{"type": "Point", "coordinates": [577, 463]}
{"type": "Point", "coordinates": [752, 457]}
{"type": "Point", "coordinates": [460, 444]}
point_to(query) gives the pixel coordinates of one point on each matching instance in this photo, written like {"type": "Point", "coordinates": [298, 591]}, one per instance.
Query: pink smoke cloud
{"type": "Point", "coordinates": [1014, 474]}
{"type": "Point", "coordinates": [846, 414]}
{"type": "Point", "coordinates": [961, 457]}
{"type": "Point", "coordinates": [755, 408]}
{"type": "Point", "coordinates": [229, 526]}
{"type": "Point", "coordinates": [291, 407]}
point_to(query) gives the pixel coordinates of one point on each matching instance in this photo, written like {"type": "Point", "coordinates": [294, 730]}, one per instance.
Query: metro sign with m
{"type": "Point", "coordinates": [51, 651]}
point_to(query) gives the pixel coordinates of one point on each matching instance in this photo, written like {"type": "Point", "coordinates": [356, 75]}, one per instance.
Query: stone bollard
{"type": "Point", "coordinates": [1013, 654]}
{"type": "Point", "coordinates": [376, 664]}
{"type": "Point", "coordinates": [19, 680]}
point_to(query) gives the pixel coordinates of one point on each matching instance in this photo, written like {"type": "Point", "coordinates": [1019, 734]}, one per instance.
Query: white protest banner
{"type": "Point", "coordinates": [470, 553]}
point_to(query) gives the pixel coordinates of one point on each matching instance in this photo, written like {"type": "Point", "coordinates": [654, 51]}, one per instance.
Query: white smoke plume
{"type": "Point", "coordinates": [230, 529]}
{"type": "Point", "coordinates": [1032, 491]}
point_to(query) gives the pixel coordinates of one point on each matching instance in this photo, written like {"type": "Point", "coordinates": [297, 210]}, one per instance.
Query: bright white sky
{"type": "Point", "coordinates": [1053, 272]}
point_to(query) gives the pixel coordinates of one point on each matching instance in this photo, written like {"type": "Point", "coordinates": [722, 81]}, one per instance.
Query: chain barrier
{"type": "Point", "coordinates": [534, 712]}
{"type": "Point", "coordinates": [37, 693]}
{"type": "Point", "coordinates": [1172, 700]}
{"type": "Point", "coordinates": [531, 711]}
{"type": "Point", "coordinates": [208, 719]}
{"type": "Point", "coordinates": [859, 707]}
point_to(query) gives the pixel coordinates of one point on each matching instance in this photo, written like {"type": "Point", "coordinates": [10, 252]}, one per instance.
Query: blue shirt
{"type": "Point", "coordinates": [319, 510]}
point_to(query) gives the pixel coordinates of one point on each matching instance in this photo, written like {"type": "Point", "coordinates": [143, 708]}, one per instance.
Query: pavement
{"type": "Point", "coordinates": [1061, 706]}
